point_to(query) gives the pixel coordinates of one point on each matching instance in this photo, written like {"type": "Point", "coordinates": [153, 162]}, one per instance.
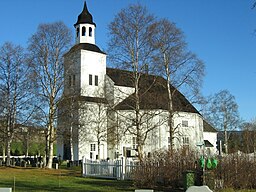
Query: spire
{"type": "Point", "coordinates": [85, 17]}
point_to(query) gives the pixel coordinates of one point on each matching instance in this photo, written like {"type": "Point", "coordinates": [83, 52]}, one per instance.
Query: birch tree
{"type": "Point", "coordinates": [222, 111]}
{"type": "Point", "coordinates": [15, 101]}
{"type": "Point", "coordinates": [129, 49]}
{"type": "Point", "coordinates": [46, 48]}
{"type": "Point", "coordinates": [181, 68]}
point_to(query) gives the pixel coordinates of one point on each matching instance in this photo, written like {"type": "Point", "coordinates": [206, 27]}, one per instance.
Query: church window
{"type": "Point", "coordinates": [134, 143]}
{"type": "Point", "coordinates": [185, 140]}
{"type": "Point", "coordinates": [69, 80]}
{"type": "Point", "coordinates": [90, 31]}
{"type": "Point", "coordinates": [93, 147]}
{"type": "Point", "coordinates": [74, 80]}
{"type": "Point", "coordinates": [77, 31]}
{"type": "Point", "coordinates": [96, 80]}
{"type": "Point", "coordinates": [184, 123]}
{"type": "Point", "coordinates": [90, 79]}
{"type": "Point", "coordinates": [83, 31]}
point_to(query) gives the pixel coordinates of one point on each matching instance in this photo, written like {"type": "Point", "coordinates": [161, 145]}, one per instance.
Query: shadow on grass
{"type": "Point", "coordinates": [107, 183]}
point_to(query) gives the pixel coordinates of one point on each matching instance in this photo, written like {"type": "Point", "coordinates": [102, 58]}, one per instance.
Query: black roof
{"type": "Point", "coordinates": [207, 143]}
{"type": "Point", "coordinates": [208, 127]}
{"type": "Point", "coordinates": [152, 90]}
{"type": "Point", "coordinates": [86, 46]}
{"type": "Point", "coordinates": [85, 17]}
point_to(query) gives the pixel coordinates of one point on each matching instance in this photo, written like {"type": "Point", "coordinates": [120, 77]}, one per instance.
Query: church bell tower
{"type": "Point", "coordinates": [85, 63]}
{"type": "Point", "coordinates": [85, 27]}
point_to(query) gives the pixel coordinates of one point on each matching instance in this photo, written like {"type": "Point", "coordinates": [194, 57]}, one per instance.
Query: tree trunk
{"type": "Point", "coordinates": [51, 132]}
{"type": "Point", "coordinates": [71, 144]}
{"type": "Point", "coordinates": [226, 139]}
{"type": "Point", "coordinates": [99, 149]}
{"type": "Point", "coordinates": [50, 149]}
{"type": "Point", "coordinates": [170, 105]}
{"type": "Point", "coordinates": [49, 165]}
{"type": "Point", "coordinates": [4, 157]}
{"type": "Point", "coordinates": [8, 147]}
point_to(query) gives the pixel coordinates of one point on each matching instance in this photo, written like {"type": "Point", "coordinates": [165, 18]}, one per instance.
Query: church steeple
{"type": "Point", "coordinates": [85, 17]}
{"type": "Point", "coordinates": [85, 27]}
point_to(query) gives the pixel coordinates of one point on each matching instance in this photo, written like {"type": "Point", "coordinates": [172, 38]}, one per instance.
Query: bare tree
{"type": "Point", "coordinates": [181, 68]}
{"type": "Point", "coordinates": [129, 48]}
{"type": "Point", "coordinates": [222, 111]}
{"type": "Point", "coordinates": [249, 136]}
{"type": "Point", "coordinates": [15, 96]}
{"type": "Point", "coordinates": [46, 48]}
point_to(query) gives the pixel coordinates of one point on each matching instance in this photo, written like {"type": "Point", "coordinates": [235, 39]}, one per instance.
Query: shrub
{"type": "Point", "coordinates": [164, 169]}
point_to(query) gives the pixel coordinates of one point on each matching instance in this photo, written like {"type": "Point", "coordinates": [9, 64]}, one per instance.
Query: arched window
{"type": "Point", "coordinates": [90, 31]}
{"type": "Point", "coordinates": [77, 31]}
{"type": "Point", "coordinates": [83, 31]}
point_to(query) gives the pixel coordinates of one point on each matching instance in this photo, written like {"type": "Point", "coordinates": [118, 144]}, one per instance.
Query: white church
{"type": "Point", "coordinates": [96, 117]}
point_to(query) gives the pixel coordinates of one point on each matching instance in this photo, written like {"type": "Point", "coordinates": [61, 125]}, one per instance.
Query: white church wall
{"type": "Point", "coordinates": [94, 64]}
{"type": "Point", "coordinates": [212, 138]}
{"type": "Point", "coordinates": [158, 138]}
{"type": "Point", "coordinates": [121, 93]}
{"type": "Point", "coordinates": [92, 128]}
{"type": "Point", "coordinates": [190, 130]}
{"type": "Point", "coordinates": [109, 90]}
{"type": "Point", "coordinates": [72, 73]}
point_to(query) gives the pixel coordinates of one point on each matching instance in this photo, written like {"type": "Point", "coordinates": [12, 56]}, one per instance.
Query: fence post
{"type": "Point", "coordinates": [84, 166]}
{"type": "Point", "coordinates": [122, 168]}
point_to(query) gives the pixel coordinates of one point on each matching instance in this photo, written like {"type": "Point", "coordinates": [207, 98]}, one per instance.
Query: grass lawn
{"type": "Point", "coordinates": [45, 180]}
{"type": "Point", "coordinates": [232, 190]}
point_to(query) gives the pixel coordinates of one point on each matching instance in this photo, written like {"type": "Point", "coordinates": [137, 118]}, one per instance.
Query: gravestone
{"type": "Point", "coordinates": [5, 189]}
{"type": "Point", "coordinates": [144, 190]}
{"type": "Point", "coordinates": [199, 189]}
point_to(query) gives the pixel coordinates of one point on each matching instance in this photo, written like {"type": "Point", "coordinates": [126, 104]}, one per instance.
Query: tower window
{"type": "Point", "coordinates": [90, 31]}
{"type": "Point", "coordinates": [96, 80]}
{"type": "Point", "coordinates": [74, 79]}
{"type": "Point", "coordinates": [90, 79]}
{"type": "Point", "coordinates": [134, 143]}
{"type": "Point", "coordinates": [83, 31]}
{"type": "Point", "coordinates": [69, 80]}
{"type": "Point", "coordinates": [184, 123]}
{"type": "Point", "coordinates": [77, 31]}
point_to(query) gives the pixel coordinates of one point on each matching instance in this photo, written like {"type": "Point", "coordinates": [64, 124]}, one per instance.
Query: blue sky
{"type": "Point", "coordinates": [220, 32]}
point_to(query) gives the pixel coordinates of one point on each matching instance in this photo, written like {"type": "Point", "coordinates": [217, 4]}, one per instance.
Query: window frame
{"type": "Point", "coordinates": [184, 123]}
{"type": "Point", "coordinates": [90, 32]}
{"type": "Point", "coordinates": [96, 80]}
{"type": "Point", "coordinates": [92, 147]}
{"type": "Point", "coordinates": [83, 31]}
{"type": "Point", "coordinates": [90, 79]}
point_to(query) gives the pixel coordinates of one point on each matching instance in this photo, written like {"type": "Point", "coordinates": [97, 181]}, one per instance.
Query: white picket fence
{"type": "Point", "coordinates": [113, 169]}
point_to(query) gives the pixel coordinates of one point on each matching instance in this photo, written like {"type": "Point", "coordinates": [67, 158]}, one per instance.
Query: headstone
{"type": "Point", "coordinates": [55, 165]}
{"type": "Point", "coordinates": [199, 189]}
{"type": "Point", "coordinates": [5, 189]}
{"type": "Point", "coordinates": [23, 164]}
{"type": "Point", "coordinates": [144, 190]}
